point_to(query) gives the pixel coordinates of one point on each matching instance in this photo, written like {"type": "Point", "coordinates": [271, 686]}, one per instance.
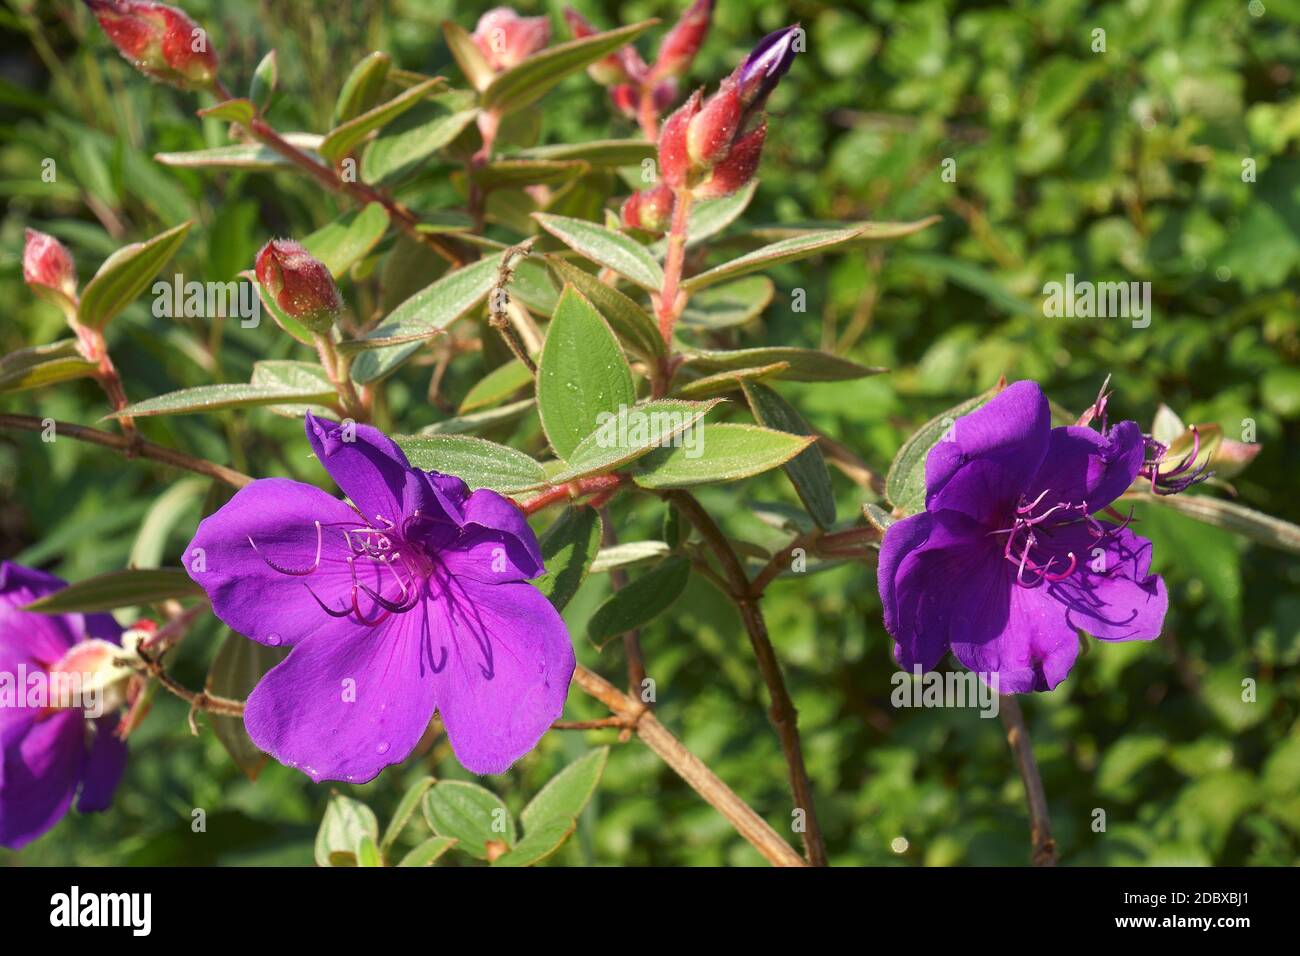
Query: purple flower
{"type": "Point", "coordinates": [1007, 561]}
{"type": "Point", "coordinates": [411, 598]}
{"type": "Point", "coordinates": [49, 752]}
{"type": "Point", "coordinates": [759, 74]}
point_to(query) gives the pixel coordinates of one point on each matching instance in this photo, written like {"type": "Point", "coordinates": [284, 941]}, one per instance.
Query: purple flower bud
{"type": "Point", "coordinates": [300, 283]}
{"type": "Point", "coordinates": [763, 68]}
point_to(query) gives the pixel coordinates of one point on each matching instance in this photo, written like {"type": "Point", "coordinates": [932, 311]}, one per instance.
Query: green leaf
{"type": "Point", "coordinates": [730, 305]}
{"type": "Point", "coordinates": [905, 483]}
{"type": "Point", "coordinates": [298, 376]}
{"type": "Point", "coordinates": [480, 463]}
{"type": "Point", "coordinates": [345, 824]}
{"type": "Point", "coordinates": [125, 274]}
{"type": "Point", "coordinates": [606, 247]}
{"type": "Point", "coordinates": [600, 152]}
{"type": "Point", "coordinates": [239, 111]}
{"type": "Point", "coordinates": [582, 373]}
{"type": "Point", "coordinates": [104, 592]}
{"type": "Point", "coordinates": [469, 813]}
{"type": "Point", "coordinates": [728, 452]}
{"type": "Point", "coordinates": [721, 382]}
{"type": "Point", "coordinates": [526, 83]}
{"type": "Point", "coordinates": [363, 87]}
{"type": "Point", "coordinates": [467, 55]}
{"type": "Point", "coordinates": [406, 808]}
{"type": "Point", "coordinates": [368, 852]}
{"type": "Point", "coordinates": [804, 245]}
{"type": "Point", "coordinates": [43, 365]}
{"type": "Point", "coordinates": [401, 148]}
{"type": "Point", "coordinates": [568, 549]}
{"type": "Point", "coordinates": [806, 365]}
{"type": "Point", "coordinates": [629, 553]}
{"type": "Point", "coordinates": [538, 843]}
{"type": "Point", "coordinates": [1233, 517]}
{"type": "Point", "coordinates": [633, 325]}
{"type": "Point", "coordinates": [518, 173]}
{"type": "Point", "coordinates": [634, 432]}
{"type": "Point", "coordinates": [428, 852]}
{"type": "Point", "coordinates": [211, 398]}
{"type": "Point", "coordinates": [807, 470]}
{"type": "Point", "coordinates": [265, 79]}
{"type": "Point", "coordinates": [480, 421]}
{"type": "Point", "coordinates": [343, 138]}
{"type": "Point", "coordinates": [235, 671]}
{"type": "Point", "coordinates": [433, 308]}
{"type": "Point", "coordinates": [710, 217]}
{"type": "Point", "coordinates": [641, 601]}
{"type": "Point", "coordinates": [567, 793]}
{"type": "Point", "coordinates": [497, 385]}
{"type": "Point", "coordinates": [252, 156]}
{"type": "Point", "coordinates": [349, 239]}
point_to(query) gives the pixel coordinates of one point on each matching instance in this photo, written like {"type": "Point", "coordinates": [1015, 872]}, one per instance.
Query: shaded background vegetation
{"type": "Point", "coordinates": [1122, 165]}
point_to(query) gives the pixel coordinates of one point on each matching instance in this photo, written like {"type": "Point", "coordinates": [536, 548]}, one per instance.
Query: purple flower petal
{"type": "Point", "coordinates": [1034, 649]}
{"type": "Point", "coordinates": [105, 761]}
{"type": "Point", "coordinates": [40, 767]}
{"type": "Point", "coordinates": [1083, 465]}
{"type": "Point", "coordinates": [901, 539]}
{"type": "Point", "coordinates": [497, 545]}
{"type": "Point", "coordinates": [348, 702]}
{"type": "Point", "coordinates": [372, 471]}
{"type": "Point", "coordinates": [508, 670]}
{"type": "Point", "coordinates": [1110, 595]}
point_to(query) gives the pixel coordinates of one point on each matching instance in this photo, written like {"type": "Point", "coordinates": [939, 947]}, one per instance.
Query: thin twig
{"type": "Point", "coordinates": [1040, 824]}
{"type": "Point", "coordinates": [631, 639]}
{"type": "Point", "coordinates": [499, 298]}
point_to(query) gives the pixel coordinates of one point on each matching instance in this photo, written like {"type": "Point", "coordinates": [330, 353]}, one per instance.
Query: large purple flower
{"type": "Point", "coordinates": [49, 752]}
{"type": "Point", "coordinates": [1007, 561]}
{"type": "Point", "coordinates": [413, 597]}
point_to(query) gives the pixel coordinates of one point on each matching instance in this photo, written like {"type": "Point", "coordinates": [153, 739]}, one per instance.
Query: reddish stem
{"type": "Point", "coordinates": [600, 485]}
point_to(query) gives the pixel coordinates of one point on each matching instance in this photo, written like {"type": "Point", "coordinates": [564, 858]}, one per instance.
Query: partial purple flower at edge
{"type": "Point", "coordinates": [413, 597]}
{"type": "Point", "coordinates": [1007, 561]}
{"type": "Point", "coordinates": [48, 755]}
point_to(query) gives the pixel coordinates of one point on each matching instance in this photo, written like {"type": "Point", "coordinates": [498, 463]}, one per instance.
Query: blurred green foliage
{"type": "Point", "coordinates": [1125, 164]}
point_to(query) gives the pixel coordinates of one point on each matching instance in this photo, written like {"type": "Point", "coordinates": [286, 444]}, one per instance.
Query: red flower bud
{"type": "Point", "coordinates": [624, 98]}
{"type": "Point", "coordinates": [649, 209]}
{"type": "Point", "coordinates": [674, 158]}
{"type": "Point", "coordinates": [737, 168]}
{"type": "Point", "coordinates": [159, 41]}
{"type": "Point", "coordinates": [300, 283]}
{"type": "Point", "coordinates": [47, 266]}
{"type": "Point", "coordinates": [606, 71]}
{"type": "Point", "coordinates": [684, 40]}
{"type": "Point", "coordinates": [710, 134]}
{"type": "Point", "coordinates": [506, 39]}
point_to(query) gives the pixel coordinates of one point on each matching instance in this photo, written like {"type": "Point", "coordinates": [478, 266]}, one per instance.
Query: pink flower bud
{"type": "Point", "coordinates": [737, 168]}
{"type": "Point", "coordinates": [624, 98]}
{"type": "Point", "coordinates": [48, 265]}
{"type": "Point", "coordinates": [506, 39]}
{"type": "Point", "coordinates": [649, 209]}
{"type": "Point", "coordinates": [300, 283]}
{"type": "Point", "coordinates": [674, 157]}
{"type": "Point", "coordinates": [1231, 457]}
{"type": "Point", "coordinates": [664, 93]}
{"type": "Point", "coordinates": [684, 40]}
{"type": "Point", "coordinates": [711, 132]}
{"type": "Point", "coordinates": [606, 71]}
{"type": "Point", "coordinates": [159, 41]}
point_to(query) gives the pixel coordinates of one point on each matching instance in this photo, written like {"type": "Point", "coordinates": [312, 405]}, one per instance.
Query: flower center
{"type": "Point", "coordinates": [1026, 534]}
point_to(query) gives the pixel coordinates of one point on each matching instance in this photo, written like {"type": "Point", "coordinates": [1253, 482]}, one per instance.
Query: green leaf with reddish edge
{"type": "Point", "coordinates": [730, 305]}
{"type": "Point", "coordinates": [481, 463]}
{"type": "Point", "coordinates": [905, 483]}
{"type": "Point", "coordinates": [363, 87]}
{"type": "Point", "coordinates": [640, 601]}
{"type": "Point", "coordinates": [600, 152]}
{"type": "Point", "coordinates": [806, 365]}
{"type": "Point", "coordinates": [434, 307]}
{"type": "Point", "coordinates": [569, 546]}
{"type": "Point", "coordinates": [211, 398]}
{"type": "Point", "coordinates": [524, 84]}
{"type": "Point", "coordinates": [235, 671]}
{"type": "Point", "coordinates": [127, 588]}
{"type": "Point", "coordinates": [496, 386]}
{"type": "Point", "coordinates": [301, 376]}
{"type": "Point", "coordinates": [606, 247]}
{"type": "Point", "coordinates": [729, 381]}
{"type": "Point", "coordinates": [648, 425]}
{"type": "Point", "coordinates": [807, 470]}
{"type": "Point", "coordinates": [582, 373]}
{"type": "Point", "coordinates": [567, 793]}
{"type": "Point", "coordinates": [43, 365]}
{"type": "Point", "coordinates": [467, 55]}
{"type": "Point", "coordinates": [348, 239]}
{"type": "Point", "coordinates": [407, 807]}
{"type": "Point", "coordinates": [803, 246]}
{"type": "Point", "coordinates": [427, 853]}
{"type": "Point", "coordinates": [343, 138]}
{"type": "Point", "coordinates": [730, 452]}
{"type": "Point", "coordinates": [633, 325]}
{"type": "Point", "coordinates": [238, 110]}
{"type": "Point", "coordinates": [1230, 516]}
{"type": "Point", "coordinates": [345, 824]}
{"type": "Point", "coordinates": [125, 274]}
{"type": "Point", "coordinates": [469, 813]}
{"type": "Point", "coordinates": [254, 156]}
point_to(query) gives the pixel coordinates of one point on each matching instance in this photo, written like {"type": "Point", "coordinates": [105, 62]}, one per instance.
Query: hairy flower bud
{"type": "Point", "coordinates": [47, 266]}
{"type": "Point", "coordinates": [684, 40]}
{"type": "Point", "coordinates": [300, 283]}
{"type": "Point", "coordinates": [710, 134]}
{"type": "Point", "coordinates": [506, 39]}
{"type": "Point", "coordinates": [737, 168]}
{"type": "Point", "coordinates": [606, 71]}
{"type": "Point", "coordinates": [159, 41]}
{"type": "Point", "coordinates": [674, 156]}
{"type": "Point", "coordinates": [649, 209]}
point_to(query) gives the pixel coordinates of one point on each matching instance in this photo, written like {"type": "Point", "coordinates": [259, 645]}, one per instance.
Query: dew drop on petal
{"type": "Point", "coordinates": [382, 748]}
